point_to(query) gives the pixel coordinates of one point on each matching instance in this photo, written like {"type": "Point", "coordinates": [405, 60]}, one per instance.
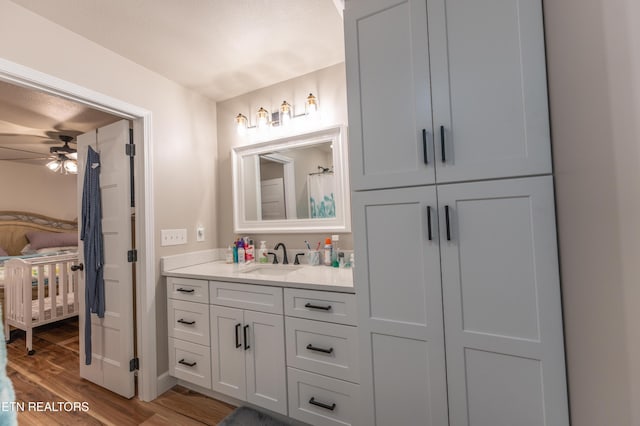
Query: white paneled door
{"type": "Point", "coordinates": [400, 327]}
{"type": "Point", "coordinates": [112, 336]}
{"type": "Point", "coordinates": [501, 290]}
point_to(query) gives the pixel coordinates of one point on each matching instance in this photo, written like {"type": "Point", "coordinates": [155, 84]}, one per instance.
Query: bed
{"type": "Point", "coordinates": [38, 286]}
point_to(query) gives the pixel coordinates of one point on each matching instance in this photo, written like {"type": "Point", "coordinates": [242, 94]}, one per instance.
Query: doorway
{"type": "Point", "coordinates": [144, 233]}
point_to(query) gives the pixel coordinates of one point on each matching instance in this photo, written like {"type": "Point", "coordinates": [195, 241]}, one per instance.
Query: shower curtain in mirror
{"type": "Point", "coordinates": [322, 201]}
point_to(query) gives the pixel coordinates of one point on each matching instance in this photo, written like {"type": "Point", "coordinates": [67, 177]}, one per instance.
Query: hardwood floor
{"type": "Point", "coordinates": [52, 376]}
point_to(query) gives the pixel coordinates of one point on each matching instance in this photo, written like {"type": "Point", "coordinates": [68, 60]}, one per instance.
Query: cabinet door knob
{"type": "Point", "coordinates": [442, 145]}
{"type": "Point", "coordinates": [429, 234]}
{"type": "Point", "coordinates": [188, 364]}
{"type": "Point", "coordinates": [246, 339]}
{"type": "Point", "coordinates": [424, 146]}
{"type": "Point", "coordinates": [322, 405]}
{"type": "Point", "coordinates": [310, 347]}
{"type": "Point", "coordinates": [447, 222]}
{"type": "Point", "coordinates": [238, 344]}
{"type": "Point", "coordinates": [311, 306]}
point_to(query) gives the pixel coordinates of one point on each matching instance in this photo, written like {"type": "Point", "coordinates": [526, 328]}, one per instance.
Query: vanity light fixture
{"type": "Point", "coordinates": [241, 124]}
{"type": "Point", "coordinates": [283, 117]}
{"type": "Point", "coordinates": [285, 113]}
{"type": "Point", "coordinates": [262, 118]}
{"type": "Point", "coordinates": [311, 105]}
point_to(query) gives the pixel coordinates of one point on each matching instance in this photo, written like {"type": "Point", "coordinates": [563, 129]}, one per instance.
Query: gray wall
{"type": "Point", "coordinates": [329, 85]}
{"type": "Point", "coordinates": [593, 49]}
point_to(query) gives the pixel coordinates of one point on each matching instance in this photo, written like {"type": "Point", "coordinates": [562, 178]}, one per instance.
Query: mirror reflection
{"type": "Point", "coordinates": [290, 183]}
{"type": "Point", "coordinates": [296, 183]}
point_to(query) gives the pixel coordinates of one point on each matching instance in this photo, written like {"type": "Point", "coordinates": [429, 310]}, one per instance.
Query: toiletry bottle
{"type": "Point", "coordinates": [263, 257]}
{"type": "Point", "coordinates": [249, 252]}
{"type": "Point", "coordinates": [327, 252]}
{"type": "Point", "coordinates": [228, 257]}
{"type": "Point", "coordinates": [241, 255]}
{"type": "Point", "coordinates": [352, 261]}
{"type": "Point", "coordinates": [235, 252]}
{"type": "Point", "coordinates": [341, 262]}
{"type": "Point", "coordinates": [334, 250]}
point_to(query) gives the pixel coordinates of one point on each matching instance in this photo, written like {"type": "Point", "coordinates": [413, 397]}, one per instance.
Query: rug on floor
{"type": "Point", "coordinates": [245, 416]}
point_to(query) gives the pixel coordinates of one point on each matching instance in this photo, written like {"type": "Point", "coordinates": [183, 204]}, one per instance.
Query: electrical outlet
{"type": "Point", "coordinates": [173, 237]}
{"type": "Point", "coordinates": [200, 233]}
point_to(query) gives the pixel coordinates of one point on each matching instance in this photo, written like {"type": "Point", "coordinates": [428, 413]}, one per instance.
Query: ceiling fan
{"type": "Point", "coordinates": [65, 158]}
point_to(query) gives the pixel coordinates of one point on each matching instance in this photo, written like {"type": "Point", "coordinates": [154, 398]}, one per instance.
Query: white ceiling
{"type": "Point", "coordinates": [220, 48]}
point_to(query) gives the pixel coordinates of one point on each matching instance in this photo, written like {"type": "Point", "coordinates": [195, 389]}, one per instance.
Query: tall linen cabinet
{"type": "Point", "coordinates": [456, 276]}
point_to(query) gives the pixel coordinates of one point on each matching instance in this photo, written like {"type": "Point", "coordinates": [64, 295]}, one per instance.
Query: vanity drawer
{"type": "Point", "coordinates": [190, 362]}
{"type": "Point", "coordinates": [320, 400]}
{"type": "Point", "coordinates": [320, 305]}
{"type": "Point", "coordinates": [321, 347]}
{"type": "Point", "coordinates": [188, 289]}
{"type": "Point", "coordinates": [188, 321]}
{"type": "Point", "coordinates": [260, 298]}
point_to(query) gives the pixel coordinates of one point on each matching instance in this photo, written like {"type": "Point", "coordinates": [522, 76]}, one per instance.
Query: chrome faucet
{"type": "Point", "coordinates": [285, 261]}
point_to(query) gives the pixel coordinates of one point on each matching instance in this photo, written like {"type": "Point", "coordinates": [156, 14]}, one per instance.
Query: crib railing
{"type": "Point", "coordinates": [50, 282]}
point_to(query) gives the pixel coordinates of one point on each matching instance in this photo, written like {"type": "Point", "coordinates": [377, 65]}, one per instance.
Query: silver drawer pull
{"type": "Point", "coordinates": [324, 308]}
{"type": "Point", "coordinates": [313, 348]}
{"type": "Point", "coordinates": [321, 405]}
{"type": "Point", "coordinates": [188, 364]}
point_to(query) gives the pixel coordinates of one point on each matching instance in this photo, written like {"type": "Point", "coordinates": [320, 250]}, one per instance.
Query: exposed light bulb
{"type": "Point", "coordinates": [54, 165]}
{"type": "Point", "coordinates": [311, 105]}
{"type": "Point", "coordinates": [241, 124]}
{"type": "Point", "coordinates": [70, 166]}
{"type": "Point", "coordinates": [285, 113]}
{"type": "Point", "coordinates": [263, 118]}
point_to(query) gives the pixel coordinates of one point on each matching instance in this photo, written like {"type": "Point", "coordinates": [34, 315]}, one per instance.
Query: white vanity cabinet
{"type": "Point", "coordinates": [445, 91]}
{"type": "Point", "coordinates": [322, 357]}
{"type": "Point", "coordinates": [247, 336]}
{"type": "Point", "coordinates": [188, 327]}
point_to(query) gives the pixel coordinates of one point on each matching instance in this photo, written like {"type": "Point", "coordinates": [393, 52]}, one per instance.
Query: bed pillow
{"type": "Point", "coordinates": [39, 240]}
{"type": "Point", "coordinates": [28, 250]}
{"type": "Point", "coordinates": [3, 252]}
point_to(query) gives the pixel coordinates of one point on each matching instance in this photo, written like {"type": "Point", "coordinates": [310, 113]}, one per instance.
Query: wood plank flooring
{"type": "Point", "coordinates": [52, 375]}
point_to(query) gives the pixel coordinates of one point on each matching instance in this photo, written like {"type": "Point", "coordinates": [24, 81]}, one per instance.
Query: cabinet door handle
{"type": "Point", "coordinates": [246, 339]}
{"type": "Point", "coordinates": [184, 290]}
{"type": "Point", "coordinates": [447, 222]}
{"type": "Point", "coordinates": [442, 145]}
{"type": "Point", "coordinates": [238, 344]}
{"type": "Point", "coordinates": [321, 405]}
{"type": "Point", "coordinates": [313, 348]}
{"type": "Point", "coordinates": [181, 321]}
{"type": "Point", "coordinates": [424, 146]}
{"type": "Point", "coordinates": [429, 223]}
{"type": "Point", "coordinates": [324, 308]}
{"type": "Point", "coordinates": [188, 364]}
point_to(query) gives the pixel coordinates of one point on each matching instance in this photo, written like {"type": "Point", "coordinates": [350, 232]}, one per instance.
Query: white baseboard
{"type": "Point", "coordinates": [165, 382]}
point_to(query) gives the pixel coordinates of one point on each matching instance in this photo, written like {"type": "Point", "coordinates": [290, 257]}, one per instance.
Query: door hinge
{"type": "Point", "coordinates": [132, 255]}
{"type": "Point", "coordinates": [130, 149]}
{"type": "Point", "coordinates": [134, 364]}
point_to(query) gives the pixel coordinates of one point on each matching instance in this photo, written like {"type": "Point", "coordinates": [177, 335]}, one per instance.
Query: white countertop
{"type": "Point", "coordinates": [303, 276]}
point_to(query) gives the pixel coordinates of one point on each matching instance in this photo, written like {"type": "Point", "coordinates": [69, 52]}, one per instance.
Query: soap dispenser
{"type": "Point", "coordinates": [263, 256]}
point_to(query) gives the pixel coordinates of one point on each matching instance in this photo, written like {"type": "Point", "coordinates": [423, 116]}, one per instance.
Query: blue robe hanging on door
{"type": "Point", "coordinates": [91, 235]}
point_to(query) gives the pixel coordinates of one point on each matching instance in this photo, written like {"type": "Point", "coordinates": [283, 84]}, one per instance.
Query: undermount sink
{"type": "Point", "coordinates": [270, 269]}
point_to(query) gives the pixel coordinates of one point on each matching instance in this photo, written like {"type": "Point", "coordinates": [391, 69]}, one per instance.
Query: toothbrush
{"type": "Point", "coordinates": [308, 246]}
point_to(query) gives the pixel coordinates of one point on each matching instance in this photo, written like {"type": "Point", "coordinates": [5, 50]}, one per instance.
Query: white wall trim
{"type": "Point", "coordinates": [145, 272]}
{"type": "Point", "coordinates": [165, 382]}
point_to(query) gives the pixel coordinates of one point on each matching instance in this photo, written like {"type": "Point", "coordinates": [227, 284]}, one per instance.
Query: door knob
{"type": "Point", "coordinates": [78, 267]}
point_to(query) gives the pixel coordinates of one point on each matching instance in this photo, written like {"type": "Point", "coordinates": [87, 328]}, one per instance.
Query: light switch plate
{"type": "Point", "coordinates": [173, 237]}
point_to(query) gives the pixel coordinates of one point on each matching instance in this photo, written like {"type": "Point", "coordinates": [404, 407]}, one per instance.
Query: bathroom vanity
{"type": "Point", "coordinates": [280, 337]}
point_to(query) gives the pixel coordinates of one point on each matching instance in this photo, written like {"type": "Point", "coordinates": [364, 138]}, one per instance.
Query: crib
{"type": "Point", "coordinates": [39, 291]}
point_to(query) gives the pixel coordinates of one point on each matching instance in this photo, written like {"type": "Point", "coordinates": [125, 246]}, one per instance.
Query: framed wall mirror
{"type": "Point", "coordinates": [292, 184]}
